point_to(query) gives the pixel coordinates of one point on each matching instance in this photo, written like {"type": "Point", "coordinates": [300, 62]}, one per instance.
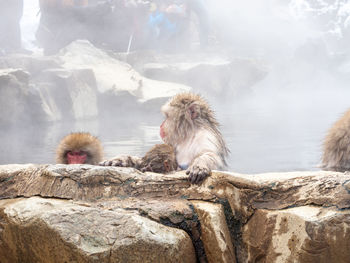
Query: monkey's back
{"type": "Point", "coordinates": [159, 159]}
{"type": "Point", "coordinates": [336, 146]}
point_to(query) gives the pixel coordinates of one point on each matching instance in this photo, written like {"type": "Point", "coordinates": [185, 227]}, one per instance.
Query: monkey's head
{"type": "Point", "coordinates": [79, 148]}
{"type": "Point", "coordinates": [184, 114]}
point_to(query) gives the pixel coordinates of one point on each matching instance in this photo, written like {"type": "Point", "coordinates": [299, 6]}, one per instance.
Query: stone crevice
{"type": "Point", "coordinates": [127, 215]}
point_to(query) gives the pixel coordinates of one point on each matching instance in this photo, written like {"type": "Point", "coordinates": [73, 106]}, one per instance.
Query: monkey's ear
{"type": "Point", "coordinates": [193, 110]}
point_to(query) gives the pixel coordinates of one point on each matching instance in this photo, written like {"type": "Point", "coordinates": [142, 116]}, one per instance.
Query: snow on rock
{"type": "Point", "coordinates": [115, 75]}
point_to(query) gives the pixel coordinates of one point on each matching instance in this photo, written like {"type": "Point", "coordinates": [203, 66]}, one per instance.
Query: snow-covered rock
{"type": "Point", "coordinates": [115, 75]}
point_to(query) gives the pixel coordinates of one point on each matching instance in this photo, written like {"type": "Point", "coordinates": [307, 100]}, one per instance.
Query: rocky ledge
{"type": "Point", "coordinates": [83, 213]}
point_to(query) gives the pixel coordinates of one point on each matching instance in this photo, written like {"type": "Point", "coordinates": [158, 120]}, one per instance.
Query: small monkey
{"type": "Point", "coordinates": [159, 159]}
{"type": "Point", "coordinates": [192, 130]}
{"type": "Point", "coordinates": [79, 148]}
{"type": "Point", "coordinates": [336, 146]}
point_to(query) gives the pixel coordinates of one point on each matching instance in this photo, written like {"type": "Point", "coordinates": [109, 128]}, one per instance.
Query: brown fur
{"type": "Point", "coordinates": [159, 159]}
{"type": "Point", "coordinates": [336, 146]}
{"type": "Point", "coordinates": [182, 125]}
{"type": "Point", "coordinates": [190, 122]}
{"type": "Point", "coordinates": [192, 130]}
{"type": "Point", "coordinates": [80, 141]}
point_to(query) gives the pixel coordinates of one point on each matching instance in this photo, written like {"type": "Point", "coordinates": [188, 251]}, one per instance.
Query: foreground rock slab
{"type": "Point", "coordinates": [46, 230]}
{"type": "Point", "coordinates": [87, 213]}
{"type": "Point", "coordinates": [301, 234]}
{"type": "Point", "coordinates": [215, 233]}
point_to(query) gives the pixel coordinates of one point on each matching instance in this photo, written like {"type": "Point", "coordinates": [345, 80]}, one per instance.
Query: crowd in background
{"type": "Point", "coordinates": [120, 25]}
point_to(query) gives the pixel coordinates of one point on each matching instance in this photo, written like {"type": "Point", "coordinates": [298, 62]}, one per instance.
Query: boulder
{"type": "Point", "coordinates": [81, 82]}
{"type": "Point", "coordinates": [215, 233]}
{"type": "Point", "coordinates": [84, 82]}
{"type": "Point", "coordinates": [19, 103]}
{"type": "Point", "coordinates": [38, 89]}
{"type": "Point", "coordinates": [115, 76]}
{"type": "Point", "coordinates": [92, 213]}
{"type": "Point", "coordinates": [68, 94]}
{"type": "Point", "coordinates": [213, 75]}
{"type": "Point", "coordinates": [300, 234]}
{"type": "Point", "coordinates": [34, 64]}
{"type": "Point", "coordinates": [46, 230]}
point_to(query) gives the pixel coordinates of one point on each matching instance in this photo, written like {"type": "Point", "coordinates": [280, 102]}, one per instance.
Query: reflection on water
{"type": "Point", "coordinates": [266, 133]}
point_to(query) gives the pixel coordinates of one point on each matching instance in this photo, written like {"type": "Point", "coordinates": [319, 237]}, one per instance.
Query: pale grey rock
{"type": "Point", "coordinates": [18, 102]}
{"type": "Point", "coordinates": [68, 94]}
{"type": "Point", "coordinates": [47, 230]}
{"type": "Point", "coordinates": [271, 217]}
{"type": "Point", "coordinates": [115, 76]}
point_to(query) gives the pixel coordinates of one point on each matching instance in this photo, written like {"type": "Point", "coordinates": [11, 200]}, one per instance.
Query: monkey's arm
{"type": "Point", "coordinates": [123, 161]}
{"type": "Point", "coordinates": [201, 166]}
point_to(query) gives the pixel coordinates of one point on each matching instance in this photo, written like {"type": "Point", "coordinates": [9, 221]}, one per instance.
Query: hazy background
{"type": "Point", "coordinates": [279, 126]}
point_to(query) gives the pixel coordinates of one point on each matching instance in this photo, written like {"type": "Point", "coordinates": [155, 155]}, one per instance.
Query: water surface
{"type": "Point", "coordinates": [265, 132]}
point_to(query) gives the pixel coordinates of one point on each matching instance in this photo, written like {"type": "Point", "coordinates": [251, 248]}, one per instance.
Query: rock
{"type": "Point", "coordinates": [301, 234]}
{"type": "Point", "coordinates": [230, 217]}
{"type": "Point", "coordinates": [34, 64]}
{"type": "Point", "coordinates": [85, 182]}
{"type": "Point", "coordinates": [81, 82]}
{"type": "Point", "coordinates": [19, 103]}
{"type": "Point", "coordinates": [213, 75]}
{"type": "Point", "coordinates": [113, 75]}
{"type": "Point", "coordinates": [40, 91]}
{"type": "Point", "coordinates": [68, 94]}
{"type": "Point", "coordinates": [215, 233]}
{"type": "Point", "coordinates": [47, 230]}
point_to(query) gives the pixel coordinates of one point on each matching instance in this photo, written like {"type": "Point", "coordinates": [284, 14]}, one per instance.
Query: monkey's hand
{"type": "Point", "coordinates": [197, 173]}
{"type": "Point", "coordinates": [122, 161]}
{"type": "Point", "coordinates": [201, 166]}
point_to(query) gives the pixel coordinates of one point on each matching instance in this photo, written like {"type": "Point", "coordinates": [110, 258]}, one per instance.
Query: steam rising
{"type": "Point", "coordinates": [278, 125]}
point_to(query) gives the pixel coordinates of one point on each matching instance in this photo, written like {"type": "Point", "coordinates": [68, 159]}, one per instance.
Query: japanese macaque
{"type": "Point", "coordinates": [192, 130]}
{"type": "Point", "coordinates": [79, 148]}
{"type": "Point", "coordinates": [336, 146]}
{"type": "Point", "coordinates": [159, 159]}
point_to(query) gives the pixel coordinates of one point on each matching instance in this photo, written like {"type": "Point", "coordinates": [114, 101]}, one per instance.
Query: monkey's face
{"type": "Point", "coordinates": [178, 123]}
{"type": "Point", "coordinates": [168, 128]}
{"type": "Point", "coordinates": [76, 157]}
{"type": "Point", "coordinates": [79, 148]}
{"type": "Point", "coordinates": [165, 127]}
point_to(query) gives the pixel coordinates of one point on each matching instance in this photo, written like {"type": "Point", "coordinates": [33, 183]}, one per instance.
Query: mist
{"type": "Point", "coordinates": [273, 119]}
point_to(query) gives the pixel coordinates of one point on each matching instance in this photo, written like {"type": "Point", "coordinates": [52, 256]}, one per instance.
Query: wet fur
{"type": "Point", "coordinates": [192, 129]}
{"type": "Point", "coordinates": [159, 159]}
{"type": "Point", "coordinates": [336, 146]}
{"type": "Point", "coordinates": [80, 141]}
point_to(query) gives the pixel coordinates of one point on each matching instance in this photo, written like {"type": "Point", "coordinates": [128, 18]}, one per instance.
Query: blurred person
{"type": "Point", "coordinates": [169, 23]}
{"type": "Point", "coordinates": [135, 22]}
{"type": "Point", "coordinates": [63, 21]}
{"type": "Point", "coordinates": [168, 26]}
{"type": "Point", "coordinates": [57, 26]}
{"type": "Point", "coordinates": [160, 27]}
{"type": "Point", "coordinates": [11, 12]}
{"type": "Point", "coordinates": [198, 7]}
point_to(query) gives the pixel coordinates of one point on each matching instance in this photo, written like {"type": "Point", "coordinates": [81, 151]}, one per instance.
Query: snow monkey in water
{"type": "Point", "coordinates": [336, 146]}
{"type": "Point", "coordinates": [192, 130]}
{"type": "Point", "coordinates": [159, 159]}
{"type": "Point", "coordinates": [79, 148]}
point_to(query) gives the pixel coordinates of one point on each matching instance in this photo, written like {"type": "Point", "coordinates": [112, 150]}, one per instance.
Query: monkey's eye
{"type": "Point", "coordinates": [79, 153]}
